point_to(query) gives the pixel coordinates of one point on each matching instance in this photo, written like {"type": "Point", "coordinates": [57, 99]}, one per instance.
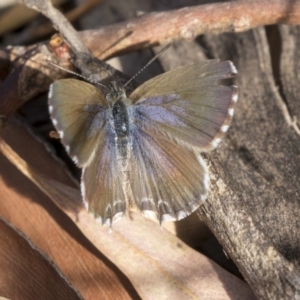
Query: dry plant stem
{"type": "Point", "coordinates": [83, 59]}
{"type": "Point", "coordinates": [29, 76]}
{"type": "Point", "coordinates": [71, 16]}
{"type": "Point", "coordinates": [27, 79]}
{"type": "Point", "coordinates": [60, 22]}
{"type": "Point", "coordinates": [187, 23]}
{"type": "Point", "coordinates": [17, 16]}
{"type": "Point", "coordinates": [148, 30]}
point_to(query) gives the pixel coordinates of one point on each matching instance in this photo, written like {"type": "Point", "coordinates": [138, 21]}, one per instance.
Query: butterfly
{"type": "Point", "coordinates": [143, 151]}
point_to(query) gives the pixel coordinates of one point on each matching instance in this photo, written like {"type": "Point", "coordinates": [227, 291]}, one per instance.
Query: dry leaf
{"type": "Point", "coordinates": [157, 263]}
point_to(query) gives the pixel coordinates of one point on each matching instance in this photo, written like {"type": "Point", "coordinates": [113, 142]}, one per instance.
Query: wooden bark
{"type": "Point", "coordinates": [253, 207]}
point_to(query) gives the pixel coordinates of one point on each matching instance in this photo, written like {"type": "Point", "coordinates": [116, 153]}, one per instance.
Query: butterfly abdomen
{"type": "Point", "coordinates": [123, 147]}
{"type": "Point", "coordinates": [121, 124]}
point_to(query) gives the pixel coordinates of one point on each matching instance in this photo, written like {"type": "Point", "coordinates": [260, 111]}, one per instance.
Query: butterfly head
{"type": "Point", "coordinates": [116, 93]}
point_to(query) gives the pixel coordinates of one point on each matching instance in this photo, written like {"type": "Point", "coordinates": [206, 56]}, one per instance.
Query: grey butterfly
{"type": "Point", "coordinates": [143, 151]}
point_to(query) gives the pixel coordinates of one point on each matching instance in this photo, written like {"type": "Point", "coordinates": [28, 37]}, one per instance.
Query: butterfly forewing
{"type": "Point", "coordinates": [188, 104]}
{"type": "Point", "coordinates": [79, 113]}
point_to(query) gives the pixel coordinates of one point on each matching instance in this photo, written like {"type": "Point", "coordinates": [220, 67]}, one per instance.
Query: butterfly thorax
{"type": "Point", "coordinates": [115, 94]}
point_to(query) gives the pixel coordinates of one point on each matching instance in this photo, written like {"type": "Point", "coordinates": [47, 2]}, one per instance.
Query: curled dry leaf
{"type": "Point", "coordinates": [26, 273]}
{"type": "Point", "coordinates": [157, 263]}
{"type": "Point", "coordinates": [30, 210]}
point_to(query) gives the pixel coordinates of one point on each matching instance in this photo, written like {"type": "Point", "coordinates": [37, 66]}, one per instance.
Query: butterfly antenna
{"type": "Point", "coordinates": [76, 74]}
{"type": "Point", "coordinates": [149, 63]}
{"type": "Point", "coordinates": [116, 42]}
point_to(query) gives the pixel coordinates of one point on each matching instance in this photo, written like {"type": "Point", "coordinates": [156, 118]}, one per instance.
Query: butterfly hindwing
{"type": "Point", "coordinates": [168, 181]}
{"type": "Point", "coordinates": [102, 184]}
